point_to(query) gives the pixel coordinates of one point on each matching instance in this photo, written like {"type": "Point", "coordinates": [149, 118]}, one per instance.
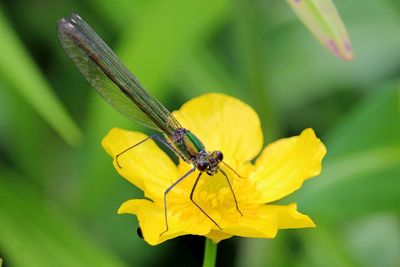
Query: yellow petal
{"type": "Point", "coordinates": [285, 164]}
{"type": "Point", "coordinates": [152, 222]}
{"type": "Point", "coordinates": [145, 166]}
{"type": "Point", "coordinates": [289, 217]}
{"type": "Point", "coordinates": [265, 221]}
{"type": "Point", "coordinates": [217, 236]}
{"type": "Point", "coordinates": [223, 123]}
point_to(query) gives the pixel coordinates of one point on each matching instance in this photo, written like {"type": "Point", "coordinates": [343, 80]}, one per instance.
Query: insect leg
{"type": "Point", "coordinates": [233, 194]}
{"type": "Point", "coordinates": [152, 136]}
{"type": "Point", "coordinates": [166, 193]}
{"type": "Point", "coordinates": [191, 198]}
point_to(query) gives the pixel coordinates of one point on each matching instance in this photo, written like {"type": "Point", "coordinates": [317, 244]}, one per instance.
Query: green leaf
{"type": "Point", "coordinates": [160, 42]}
{"type": "Point", "coordinates": [325, 247]}
{"type": "Point", "coordinates": [17, 117]}
{"type": "Point", "coordinates": [23, 76]}
{"type": "Point", "coordinates": [323, 21]}
{"type": "Point", "coordinates": [361, 172]}
{"type": "Point", "coordinates": [34, 231]}
{"type": "Point", "coordinates": [375, 239]}
{"type": "Point", "coordinates": [302, 74]}
{"type": "Point", "coordinates": [249, 49]}
{"type": "Point", "coordinates": [203, 73]}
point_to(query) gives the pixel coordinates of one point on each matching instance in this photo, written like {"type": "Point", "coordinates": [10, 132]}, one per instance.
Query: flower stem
{"type": "Point", "coordinates": [210, 253]}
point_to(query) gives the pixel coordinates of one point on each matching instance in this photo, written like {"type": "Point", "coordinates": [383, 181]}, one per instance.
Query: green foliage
{"type": "Point", "coordinates": [58, 204]}
{"type": "Point", "coordinates": [323, 21]}
{"type": "Point", "coordinates": [29, 220]}
{"type": "Point", "coordinates": [360, 169]}
{"type": "Point", "coordinates": [18, 70]}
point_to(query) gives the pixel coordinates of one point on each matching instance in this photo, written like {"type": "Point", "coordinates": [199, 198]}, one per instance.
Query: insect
{"type": "Point", "coordinates": [113, 81]}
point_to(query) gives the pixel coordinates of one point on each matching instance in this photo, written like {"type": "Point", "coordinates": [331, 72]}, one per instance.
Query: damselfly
{"type": "Point", "coordinates": [102, 68]}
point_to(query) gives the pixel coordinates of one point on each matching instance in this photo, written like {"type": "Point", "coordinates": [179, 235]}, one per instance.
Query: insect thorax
{"type": "Point", "coordinates": [187, 144]}
{"type": "Point", "coordinates": [192, 150]}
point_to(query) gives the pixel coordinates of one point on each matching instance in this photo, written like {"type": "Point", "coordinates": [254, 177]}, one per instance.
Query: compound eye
{"type": "Point", "coordinates": [219, 156]}
{"type": "Point", "coordinates": [202, 166]}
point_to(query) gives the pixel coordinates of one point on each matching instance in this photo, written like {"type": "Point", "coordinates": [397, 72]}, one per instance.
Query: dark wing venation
{"type": "Point", "coordinates": [106, 87]}
{"type": "Point", "coordinates": [102, 68]}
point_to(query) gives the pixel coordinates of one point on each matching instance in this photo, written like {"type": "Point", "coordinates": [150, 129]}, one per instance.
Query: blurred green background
{"type": "Point", "coordinates": [59, 192]}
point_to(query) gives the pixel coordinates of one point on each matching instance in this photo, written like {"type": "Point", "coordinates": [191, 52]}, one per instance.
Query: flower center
{"type": "Point", "coordinates": [214, 193]}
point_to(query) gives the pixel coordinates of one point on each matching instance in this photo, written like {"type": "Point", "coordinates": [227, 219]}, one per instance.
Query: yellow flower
{"type": "Point", "coordinates": [222, 123]}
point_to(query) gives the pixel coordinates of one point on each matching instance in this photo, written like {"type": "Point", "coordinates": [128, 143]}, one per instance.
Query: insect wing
{"type": "Point", "coordinates": [112, 80]}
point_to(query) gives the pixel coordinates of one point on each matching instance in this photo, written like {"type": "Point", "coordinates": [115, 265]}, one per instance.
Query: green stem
{"type": "Point", "coordinates": [251, 55]}
{"type": "Point", "coordinates": [210, 253]}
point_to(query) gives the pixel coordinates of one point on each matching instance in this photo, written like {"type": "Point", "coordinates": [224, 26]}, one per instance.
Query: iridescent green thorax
{"type": "Point", "coordinates": [192, 150]}
{"type": "Point", "coordinates": [187, 144]}
{"type": "Point", "coordinates": [193, 144]}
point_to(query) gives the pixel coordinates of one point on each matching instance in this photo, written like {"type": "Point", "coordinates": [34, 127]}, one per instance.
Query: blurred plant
{"type": "Point", "coordinates": [24, 77]}
{"type": "Point", "coordinates": [323, 21]}
{"type": "Point", "coordinates": [64, 199]}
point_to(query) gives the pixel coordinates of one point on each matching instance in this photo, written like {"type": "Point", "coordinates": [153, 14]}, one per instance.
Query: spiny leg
{"type": "Point", "coordinates": [165, 197]}
{"type": "Point", "coordinates": [191, 198]}
{"type": "Point", "coordinates": [233, 193]}
{"type": "Point", "coordinates": [152, 136]}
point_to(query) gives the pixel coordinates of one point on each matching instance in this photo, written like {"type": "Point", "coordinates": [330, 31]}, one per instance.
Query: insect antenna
{"type": "Point", "coordinates": [232, 169]}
